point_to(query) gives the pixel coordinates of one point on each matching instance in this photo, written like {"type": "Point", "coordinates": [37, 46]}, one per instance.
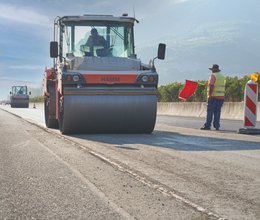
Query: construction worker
{"type": "Point", "coordinates": [215, 93]}
{"type": "Point", "coordinates": [95, 40]}
{"type": "Point", "coordinates": [21, 91]}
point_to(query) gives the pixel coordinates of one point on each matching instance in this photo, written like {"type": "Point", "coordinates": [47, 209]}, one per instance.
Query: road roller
{"type": "Point", "coordinates": [97, 84]}
{"type": "Point", "coordinates": [19, 97]}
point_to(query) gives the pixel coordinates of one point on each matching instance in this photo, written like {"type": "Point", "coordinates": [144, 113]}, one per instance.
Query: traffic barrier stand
{"type": "Point", "coordinates": [250, 107]}
{"type": "Point", "coordinates": [34, 106]}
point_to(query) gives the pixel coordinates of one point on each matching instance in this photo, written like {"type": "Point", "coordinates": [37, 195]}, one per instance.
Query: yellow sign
{"type": "Point", "coordinates": [254, 76]}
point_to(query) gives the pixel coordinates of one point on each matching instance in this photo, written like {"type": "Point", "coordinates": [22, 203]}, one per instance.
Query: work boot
{"type": "Point", "coordinates": [205, 128]}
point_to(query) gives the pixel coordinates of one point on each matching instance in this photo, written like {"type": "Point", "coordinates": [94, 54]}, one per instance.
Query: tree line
{"type": "Point", "coordinates": [234, 90]}
{"type": "Point", "coordinates": [37, 99]}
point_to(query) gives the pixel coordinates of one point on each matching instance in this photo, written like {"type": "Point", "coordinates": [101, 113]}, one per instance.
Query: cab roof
{"type": "Point", "coordinates": [93, 17]}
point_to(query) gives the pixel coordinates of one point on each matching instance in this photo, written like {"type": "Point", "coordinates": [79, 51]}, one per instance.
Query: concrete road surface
{"type": "Point", "coordinates": [174, 173]}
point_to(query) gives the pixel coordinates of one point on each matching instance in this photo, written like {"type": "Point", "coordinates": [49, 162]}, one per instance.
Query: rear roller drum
{"type": "Point", "coordinates": [49, 108]}
{"type": "Point", "coordinates": [50, 122]}
{"type": "Point", "coordinates": [61, 113]}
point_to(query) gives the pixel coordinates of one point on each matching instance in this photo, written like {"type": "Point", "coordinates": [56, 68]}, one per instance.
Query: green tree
{"type": "Point", "coordinates": [170, 92]}
{"type": "Point", "coordinates": [201, 92]}
{"type": "Point", "coordinates": [233, 91]}
{"type": "Point", "coordinates": [37, 99]}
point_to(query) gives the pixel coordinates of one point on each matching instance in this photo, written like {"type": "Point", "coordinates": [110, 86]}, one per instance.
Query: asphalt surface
{"type": "Point", "coordinates": [196, 123]}
{"type": "Point", "coordinates": [177, 172]}
{"type": "Point", "coordinates": [37, 184]}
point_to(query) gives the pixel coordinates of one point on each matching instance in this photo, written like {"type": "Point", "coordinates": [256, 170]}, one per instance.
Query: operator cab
{"type": "Point", "coordinates": [19, 90]}
{"type": "Point", "coordinates": [97, 42]}
{"type": "Point", "coordinates": [95, 35]}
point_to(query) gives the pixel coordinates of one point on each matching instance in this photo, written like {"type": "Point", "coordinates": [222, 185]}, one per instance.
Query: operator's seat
{"type": "Point", "coordinates": [102, 52]}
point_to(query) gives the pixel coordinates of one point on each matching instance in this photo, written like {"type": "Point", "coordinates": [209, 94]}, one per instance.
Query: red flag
{"type": "Point", "coordinates": [188, 90]}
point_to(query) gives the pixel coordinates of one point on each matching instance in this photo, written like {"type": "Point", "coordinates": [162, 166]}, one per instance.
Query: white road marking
{"type": "Point", "coordinates": [159, 188]}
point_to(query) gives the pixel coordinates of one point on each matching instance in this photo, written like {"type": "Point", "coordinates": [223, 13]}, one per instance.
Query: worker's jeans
{"type": "Point", "coordinates": [213, 110]}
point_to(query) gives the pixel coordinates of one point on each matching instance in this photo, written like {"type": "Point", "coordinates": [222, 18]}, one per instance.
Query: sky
{"type": "Point", "coordinates": [198, 33]}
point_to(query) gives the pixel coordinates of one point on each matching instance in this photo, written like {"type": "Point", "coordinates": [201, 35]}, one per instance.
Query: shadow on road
{"type": "Point", "coordinates": [172, 140]}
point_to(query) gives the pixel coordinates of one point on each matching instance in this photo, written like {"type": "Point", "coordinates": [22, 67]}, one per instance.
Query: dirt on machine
{"type": "Point", "coordinates": [97, 84]}
{"type": "Point", "coordinates": [19, 97]}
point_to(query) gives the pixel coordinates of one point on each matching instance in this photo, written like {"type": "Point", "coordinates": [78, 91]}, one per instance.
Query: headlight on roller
{"type": "Point", "coordinates": [145, 78]}
{"type": "Point", "coordinates": [75, 78]}
{"type": "Point", "coordinates": [151, 79]}
{"type": "Point", "coordinates": [72, 78]}
{"type": "Point", "coordinates": [68, 78]}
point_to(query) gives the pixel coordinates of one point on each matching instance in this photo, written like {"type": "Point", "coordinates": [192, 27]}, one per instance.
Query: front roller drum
{"type": "Point", "coordinates": [20, 103]}
{"type": "Point", "coordinates": [108, 113]}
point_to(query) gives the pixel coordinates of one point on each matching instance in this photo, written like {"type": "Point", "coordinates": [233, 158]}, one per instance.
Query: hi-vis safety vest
{"type": "Point", "coordinates": [219, 86]}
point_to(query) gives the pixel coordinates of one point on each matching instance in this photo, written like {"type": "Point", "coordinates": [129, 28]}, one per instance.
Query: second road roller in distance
{"type": "Point", "coordinates": [19, 97]}
{"type": "Point", "coordinates": [97, 84]}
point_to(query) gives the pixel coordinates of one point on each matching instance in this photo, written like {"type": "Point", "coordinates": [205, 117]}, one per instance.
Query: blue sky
{"type": "Point", "coordinates": [198, 33]}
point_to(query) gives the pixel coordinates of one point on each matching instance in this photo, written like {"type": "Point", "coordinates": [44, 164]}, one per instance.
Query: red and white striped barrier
{"type": "Point", "coordinates": [251, 98]}
{"type": "Point", "coordinates": [250, 108]}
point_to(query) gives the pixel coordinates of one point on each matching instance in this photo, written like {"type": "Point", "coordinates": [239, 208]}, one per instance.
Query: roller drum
{"type": "Point", "coordinates": [109, 111]}
{"type": "Point", "coordinates": [20, 102]}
